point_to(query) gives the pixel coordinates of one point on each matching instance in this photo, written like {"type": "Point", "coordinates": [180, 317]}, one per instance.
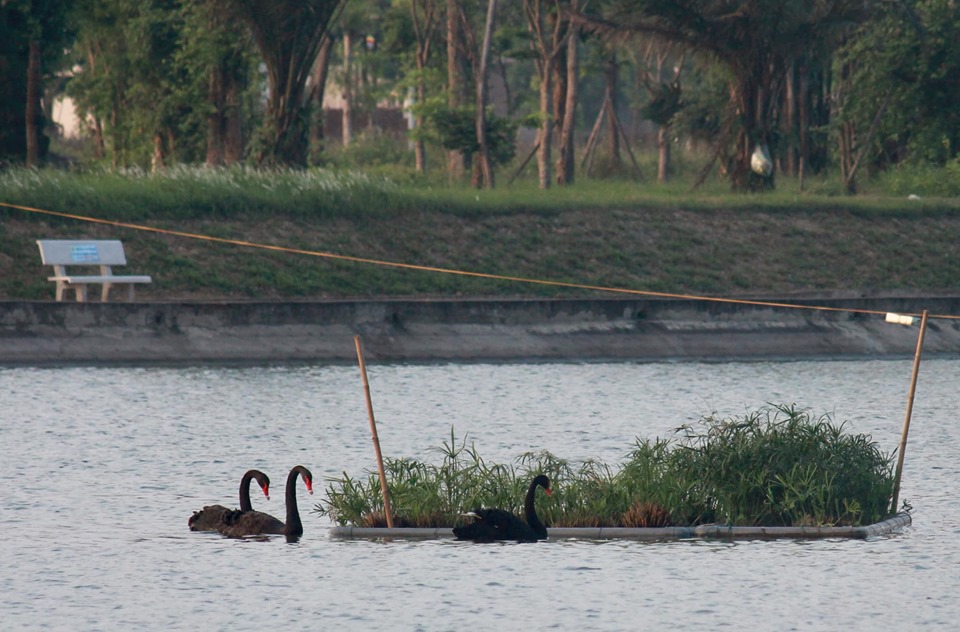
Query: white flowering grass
{"type": "Point", "coordinates": [190, 191]}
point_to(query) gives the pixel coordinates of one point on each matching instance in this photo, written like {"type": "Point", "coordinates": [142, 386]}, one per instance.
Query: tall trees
{"type": "Point", "coordinates": [34, 35]}
{"type": "Point", "coordinates": [101, 89]}
{"type": "Point", "coordinates": [548, 29]}
{"type": "Point", "coordinates": [13, 78]}
{"type": "Point", "coordinates": [219, 68]}
{"type": "Point", "coordinates": [174, 80]}
{"type": "Point", "coordinates": [425, 17]}
{"type": "Point", "coordinates": [288, 34]}
{"type": "Point", "coordinates": [130, 78]}
{"type": "Point", "coordinates": [486, 162]}
{"type": "Point", "coordinates": [755, 40]}
{"type": "Point", "coordinates": [565, 103]}
{"type": "Point", "coordinates": [457, 79]}
{"type": "Point", "coordinates": [663, 86]}
{"type": "Point", "coordinates": [898, 86]}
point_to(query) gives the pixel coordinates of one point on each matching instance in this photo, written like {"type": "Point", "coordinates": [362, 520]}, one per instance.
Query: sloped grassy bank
{"type": "Point", "coordinates": [614, 234]}
{"type": "Point", "coordinates": [774, 467]}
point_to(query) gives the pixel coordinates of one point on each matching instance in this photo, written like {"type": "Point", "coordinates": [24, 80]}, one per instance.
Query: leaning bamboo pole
{"type": "Point", "coordinates": [906, 421]}
{"type": "Point", "coordinates": [376, 439]}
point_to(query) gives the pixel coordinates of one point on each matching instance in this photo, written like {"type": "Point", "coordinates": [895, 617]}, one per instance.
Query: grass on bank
{"type": "Point", "coordinates": [615, 233]}
{"type": "Point", "coordinates": [778, 466]}
{"type": "Point", "coordinates": [180, 193]}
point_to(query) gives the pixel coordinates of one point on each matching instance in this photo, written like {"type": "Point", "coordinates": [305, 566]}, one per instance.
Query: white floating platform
{"type": "Point", "coordinates": [662, 533]}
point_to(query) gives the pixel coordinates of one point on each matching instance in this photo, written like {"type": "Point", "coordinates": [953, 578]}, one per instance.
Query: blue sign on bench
{"type": "Point", "coordinates": [85, 253]}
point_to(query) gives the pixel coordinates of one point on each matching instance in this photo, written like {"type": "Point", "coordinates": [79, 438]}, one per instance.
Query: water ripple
{"type": "Point", "coordinates": [100, 480]}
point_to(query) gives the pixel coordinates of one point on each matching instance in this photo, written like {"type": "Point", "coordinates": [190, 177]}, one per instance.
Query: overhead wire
{"type": "Point", "coordinates": [467, 273]}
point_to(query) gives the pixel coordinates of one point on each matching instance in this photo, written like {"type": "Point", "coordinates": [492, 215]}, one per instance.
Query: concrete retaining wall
{"type": "Point", "coordinates": [46, 332]}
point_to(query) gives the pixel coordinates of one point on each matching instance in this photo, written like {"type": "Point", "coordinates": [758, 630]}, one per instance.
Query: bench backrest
{"type": "Point", "coordinates": [81, 252]}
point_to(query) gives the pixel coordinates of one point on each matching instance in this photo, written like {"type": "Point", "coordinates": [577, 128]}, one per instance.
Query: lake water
{"type": "Point", "coordinates": [101, 467]}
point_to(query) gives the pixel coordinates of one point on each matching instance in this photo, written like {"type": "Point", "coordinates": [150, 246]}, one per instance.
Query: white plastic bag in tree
{"type": "Point", "coordinates": [760, 161]}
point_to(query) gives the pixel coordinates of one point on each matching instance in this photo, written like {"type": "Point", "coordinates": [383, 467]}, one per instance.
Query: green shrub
{"type": "Point", "coordinates": [922, 180]}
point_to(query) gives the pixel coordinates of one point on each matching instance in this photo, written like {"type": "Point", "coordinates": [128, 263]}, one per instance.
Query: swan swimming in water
{"type": "Point", "coordinates": [491, 525]}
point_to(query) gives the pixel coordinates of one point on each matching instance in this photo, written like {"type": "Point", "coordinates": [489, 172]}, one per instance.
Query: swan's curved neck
{"type": "Point", "coordinates": [245, 504]}
{"type": "Point", "coordinates": [530, 512]}
{"type": "Point", "coordinates": [293, 524]}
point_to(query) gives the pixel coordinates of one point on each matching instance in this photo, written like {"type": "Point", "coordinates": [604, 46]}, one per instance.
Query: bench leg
{"type": "Point", "coordinates": [81, 291]}
{"type": "Point", "coordinates": [105, 292]}
{"type": "Point", "coordinates": [130, 292]}
{"type": "Point", "coordinates": [61, 290]}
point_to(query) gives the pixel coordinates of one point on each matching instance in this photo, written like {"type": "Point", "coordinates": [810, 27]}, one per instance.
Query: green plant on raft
{"type": "Point", "coordinates": [778, 466]}
{"type": "Point", "coordinates": [782, 466]}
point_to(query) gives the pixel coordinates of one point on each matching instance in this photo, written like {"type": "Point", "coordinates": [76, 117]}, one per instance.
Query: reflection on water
{"type": "Point", "coordinates": [102, 467]}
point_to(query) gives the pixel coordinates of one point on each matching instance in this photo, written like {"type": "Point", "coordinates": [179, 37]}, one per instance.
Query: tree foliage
{"type": "Point", "coordinates": [907, 57]}
{"type": "Point", "coordinates": [175, 81]}
{"type": "Point", "coordinates": [455, 129]}
{"type": "Point", "coordinates": [754, 39]}
{"type": "Point", "coordinates": [37, 29]}
{"type": "Point", "coordinates": [288, 34]}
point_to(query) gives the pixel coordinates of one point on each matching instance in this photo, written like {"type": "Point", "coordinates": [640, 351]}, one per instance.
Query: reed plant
{"type": "Point", "coordinates": [778, 466]}
{"type": "Point", "coordinates": [784, 466]}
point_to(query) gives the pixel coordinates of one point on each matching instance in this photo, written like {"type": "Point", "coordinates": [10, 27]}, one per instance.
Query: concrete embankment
{"type": "Point", "coordinates": [50, 333]}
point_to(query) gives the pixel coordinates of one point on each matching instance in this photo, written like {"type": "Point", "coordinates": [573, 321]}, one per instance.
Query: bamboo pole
{"type": "Point", "coordinates": [906, 421]}
{"type": "Point", "coordinates": [376, 439]}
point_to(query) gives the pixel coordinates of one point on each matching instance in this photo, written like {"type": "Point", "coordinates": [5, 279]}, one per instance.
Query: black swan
{"type": "Point", "coordinates": [237, 524]}
{"type": "Point", "coordinates": [211, 517]}
{"type": "Point", "coordinates": [490, 525]}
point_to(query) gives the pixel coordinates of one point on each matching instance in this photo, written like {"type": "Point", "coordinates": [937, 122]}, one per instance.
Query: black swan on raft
{"type": "Point", "coordinates": [238, 524]}
{"type": "Point", "coordinates": [211, 517]}
{"type": "Point", "coordinates": [491, 525]}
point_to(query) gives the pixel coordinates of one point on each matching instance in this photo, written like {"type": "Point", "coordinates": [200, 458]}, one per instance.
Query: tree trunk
{"type": "Point", "coordinates": [566, 161]}
{"type": "Point", "coordinates": [347, 88]}
{"type": "Point", "coordinates": [116, 147]}
{"type": "Point", "coordinates": [216, 122]}
{"type": "Point", "coordinates": [549, 29]}
{"type": "Point", "coordinates": [456, 160]}
{"type": "Point", "coordinates": [424, 15]}
{"type": "Point", "coordinates": [789, 122]}
{"type": "Point", "coordinates": [156, 160]}
{"type": "Point", "coordinates": [545, 135]}
{"type": "Point", "coordinates": [99, 145]}
{"type": "Point", "coordinates": [663, 154]}
{"type": "Point", "coordinates": [419, 147]}
{"type": "Point", "coordinates": [321, 70]}
{"type": "Point", "coordinates": [611, 76]}
{"type": "Point", "coordinates": [803, 152]}
{"type": "Point", "coordinates": [559, 88]}
{"type": "Point", "coordinates": [750, 100]}
{"type": "Point", "coordinates": [486, 165]}
{"type": "Point", "coordinates": [590, 148]}
{"type": "Point", "coordinates": [233, 120]}
{"type": "Point", "coordinates": [33, 114]}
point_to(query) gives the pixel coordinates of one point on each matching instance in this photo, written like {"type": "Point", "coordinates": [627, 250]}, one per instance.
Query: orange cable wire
{"type": "Point", "coordinates": [482, 275]}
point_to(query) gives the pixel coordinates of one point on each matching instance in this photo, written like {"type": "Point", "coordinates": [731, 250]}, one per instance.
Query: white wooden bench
{"type": "Point", "coordinates": [64, 253]}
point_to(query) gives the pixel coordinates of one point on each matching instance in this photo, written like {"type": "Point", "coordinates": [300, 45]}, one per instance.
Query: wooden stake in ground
{"type": "Point", "coordinates": [376, 439]}
{"type": "Point", "coordinates": [906, 421]}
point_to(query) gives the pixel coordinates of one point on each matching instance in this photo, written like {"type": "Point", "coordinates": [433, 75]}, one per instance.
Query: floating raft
{"type": "Point", "coordinates": [662, 533]}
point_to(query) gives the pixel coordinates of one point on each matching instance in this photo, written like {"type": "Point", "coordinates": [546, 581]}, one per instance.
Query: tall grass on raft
{"type": "Point", "coordinates": [778, 466]}
{"type": "Point", "coordinates": [783, 466]}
